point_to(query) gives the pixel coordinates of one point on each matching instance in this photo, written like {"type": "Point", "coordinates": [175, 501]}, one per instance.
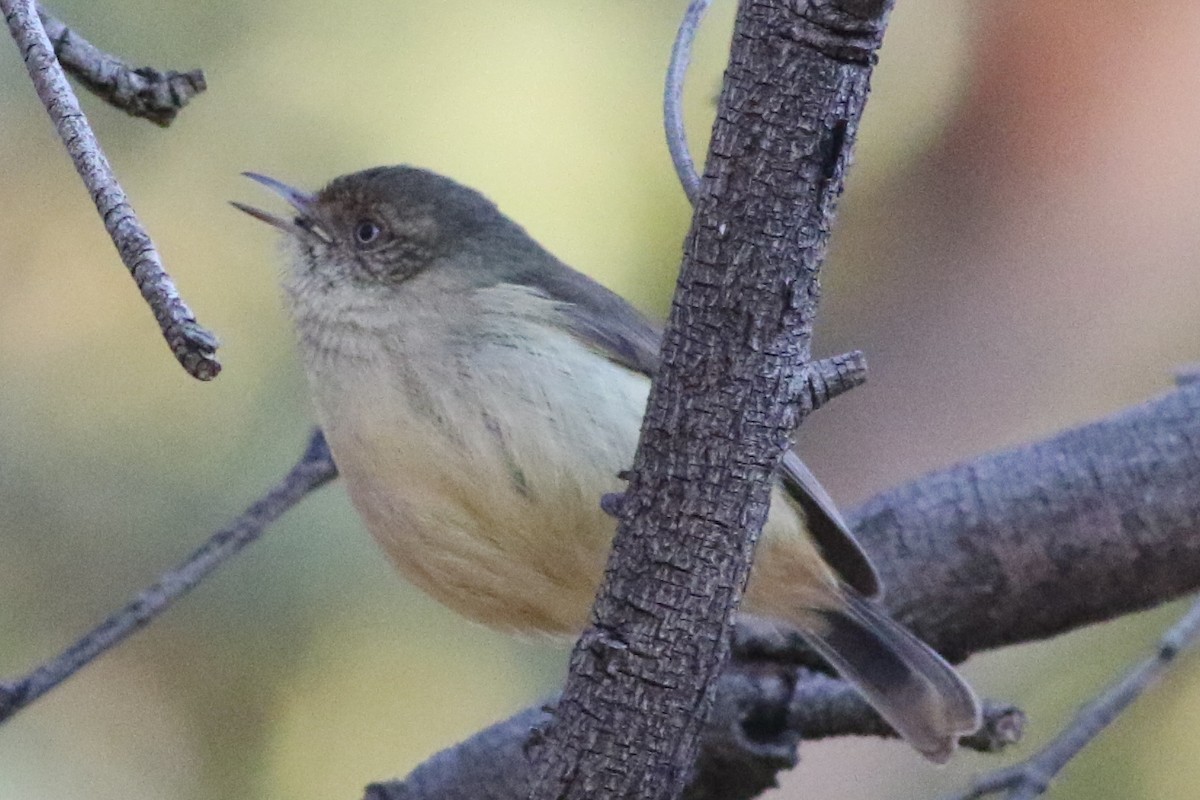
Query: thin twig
{"type": "Point", "coordinates": [193, 345]}
{"type": "Point", "coordinates": [1032, 777]}
{"type": "Point", "coordinates": [143, 92]}
{"type": "Point", "coordinates": [681, 57]}
{"type": "Point", "coordinates": [314, 469]}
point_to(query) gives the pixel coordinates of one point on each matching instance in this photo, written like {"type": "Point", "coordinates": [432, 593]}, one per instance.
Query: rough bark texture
{"type": "Point", "coordinates": [753, 732]}
{"type": "Point", "coordinates": [722, 409]}
{"type": "Point", "coordinates": [1090, 524]}
{"type": "Point", "coordinates": [1030, 542]}
{"type": "Point", "coordinates": [153, 94]}
{"type": "Point", "coordinates": [756, 724]}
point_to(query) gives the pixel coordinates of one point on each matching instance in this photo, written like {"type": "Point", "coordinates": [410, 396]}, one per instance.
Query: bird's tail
{"type": "Point", "coordinates": [910, 685]}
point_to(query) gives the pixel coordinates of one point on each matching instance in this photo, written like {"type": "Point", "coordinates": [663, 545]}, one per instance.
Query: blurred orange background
{"type": "Point", "coordinates": [1016, 254]}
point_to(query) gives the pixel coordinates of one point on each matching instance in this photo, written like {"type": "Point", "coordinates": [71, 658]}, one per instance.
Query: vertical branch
{"type": "Point", "coordinates": [194, 346]}
{"type": "Point", "coordinates": [681, 57]}
{"type": "Point", "coordinates": [722, 407]}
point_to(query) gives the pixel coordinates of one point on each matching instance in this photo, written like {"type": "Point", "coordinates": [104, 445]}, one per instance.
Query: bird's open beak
{"type": "Point", "coordinates": [303, 224]}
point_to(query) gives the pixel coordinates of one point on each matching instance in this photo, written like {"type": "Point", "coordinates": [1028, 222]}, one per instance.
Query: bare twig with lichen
{"type": "Point", "coordinates": [146, 92]}
{"type": "Point", "coordinates": [193, 345]}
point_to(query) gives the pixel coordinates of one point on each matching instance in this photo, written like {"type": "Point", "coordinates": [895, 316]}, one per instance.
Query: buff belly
{"type": "Point", "coordinates": [493, 507]}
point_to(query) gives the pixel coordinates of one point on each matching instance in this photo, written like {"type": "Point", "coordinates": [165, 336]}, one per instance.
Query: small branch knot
{"type": "Point", "coordinates": [610, 503]}
{"type": "Point", "coordinates": [1003, 725]}
{"type": "Point", "coordinates": [828, 378]}
{"type": "Point", "coordinates": [146, 92]}
{"type": "Point", "coordinates": [849, 31]}
{"type": "Point", "coordinates": [605, 646]}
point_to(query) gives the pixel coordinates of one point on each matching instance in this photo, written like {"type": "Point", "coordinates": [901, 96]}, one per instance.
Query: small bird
{"type": "Point", "coordinates": [479, 397]}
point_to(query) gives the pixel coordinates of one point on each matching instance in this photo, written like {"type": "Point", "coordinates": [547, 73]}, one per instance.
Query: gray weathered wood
{"type": "Point", "coordinates": [723, 407]}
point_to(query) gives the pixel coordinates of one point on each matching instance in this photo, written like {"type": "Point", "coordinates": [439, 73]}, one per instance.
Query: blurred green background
{"type": "Point", "coordinates": [1017, 253]}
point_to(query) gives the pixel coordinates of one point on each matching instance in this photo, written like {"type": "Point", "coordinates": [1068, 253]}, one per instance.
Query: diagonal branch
{"type": "Point", "coordinates": [143, 92]}
{"type": "Point", "coordinates": [314, 469]}
{"type": "Point", "coordinates": [1032, 777]}
{"type": "Point", "coordinates": [193, 346]}
{"type": "Point", "coordinates": [1027, 543]}
{"type": "Point", "coordinates": [962, 552]}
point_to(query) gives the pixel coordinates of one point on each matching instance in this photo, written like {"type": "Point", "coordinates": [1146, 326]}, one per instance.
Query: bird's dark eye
{"type": "Point", "coordinates": [366, 231]}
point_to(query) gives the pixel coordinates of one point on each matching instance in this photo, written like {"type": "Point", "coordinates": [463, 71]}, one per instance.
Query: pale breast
{"type": "Point", "coordinates": [479, 471]}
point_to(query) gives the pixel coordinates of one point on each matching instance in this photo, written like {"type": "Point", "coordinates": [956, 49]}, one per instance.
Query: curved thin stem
{"type": "Point", "coordinates": [681, 56]}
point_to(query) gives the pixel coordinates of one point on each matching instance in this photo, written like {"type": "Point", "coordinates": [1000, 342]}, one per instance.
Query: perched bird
{"type": "Point", "coordinates": [480, 396]}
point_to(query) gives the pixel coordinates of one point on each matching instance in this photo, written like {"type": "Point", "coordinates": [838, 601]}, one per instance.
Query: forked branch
{"type": "Point", "coordinates": [146, 92]}
{"type": "Point", "coordinates": [193, 345]}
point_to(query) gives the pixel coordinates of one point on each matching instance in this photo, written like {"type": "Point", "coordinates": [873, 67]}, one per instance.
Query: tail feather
{"type": "Point", "coordinates": [910, 685]}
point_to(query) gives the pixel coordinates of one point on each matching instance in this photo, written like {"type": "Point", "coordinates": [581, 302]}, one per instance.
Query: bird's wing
{"type": "Point", "coordinates": [831, 533]}
{"type": "Point", "coordinates": [601, 319]}
{"type": "Point", "coordinates": [612, 327]}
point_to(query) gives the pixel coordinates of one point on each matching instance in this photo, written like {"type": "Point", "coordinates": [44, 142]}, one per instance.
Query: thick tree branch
{"type": "Point", "coordinates": [1119, 495]}
{"type": "Point", "coordinates": [193, 346]}
{"type": "Point", "coordinates": [758, 719]}
{"type": "Point", "coordinates": [1090, 524]}
{"type": "Point", "coordinates": [143, 92]}
{"type": "Point", "coordinates": [722, 407]}
{"type": "Point", "coordinates": [314, 469]}
{"type": "Point", "coordinates": [1162, 437]}
{"type": "Point", "coordinates": [823, 380]}
{"type": "Point", "coordinates": [1024, 544]}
